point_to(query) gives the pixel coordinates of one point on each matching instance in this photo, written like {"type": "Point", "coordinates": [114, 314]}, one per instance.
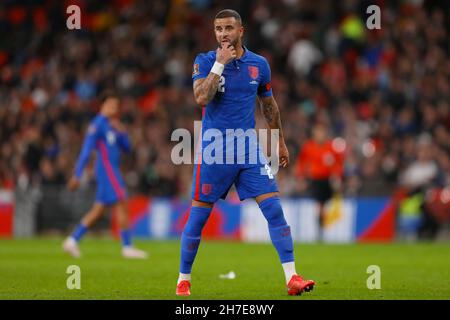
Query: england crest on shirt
{"type": "Point", "coordinates": [253, 72]}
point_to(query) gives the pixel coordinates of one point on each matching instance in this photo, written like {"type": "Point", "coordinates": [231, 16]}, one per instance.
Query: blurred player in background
{"type": "Point", "coordinates": [227, 83]}
{"type": "Point", "coordinates": [320, 165]}
{"type": "Point", "coordinates": [108, 137]}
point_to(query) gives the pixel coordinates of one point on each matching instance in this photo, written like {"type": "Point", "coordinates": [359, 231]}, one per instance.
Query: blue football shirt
{"type": "Point", "coordinates": [108, 144]}
{"type": "Point", "coordinates": [243, 79]}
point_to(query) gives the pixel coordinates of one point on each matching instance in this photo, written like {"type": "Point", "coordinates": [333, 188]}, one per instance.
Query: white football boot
{"type": "Point", "coordinates": [71, 247]}
{"type": "Point", "coordinates": [133, 253]}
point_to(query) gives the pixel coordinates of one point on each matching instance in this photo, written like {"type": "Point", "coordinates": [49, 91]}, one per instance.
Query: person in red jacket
{"type": "Point", "coordinates": [320, 164]}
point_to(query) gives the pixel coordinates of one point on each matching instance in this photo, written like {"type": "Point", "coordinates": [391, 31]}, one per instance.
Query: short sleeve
{"type": "Point", "coordinates": [265, 87]}
{"type": "Point", "coordinates": [202, 67]}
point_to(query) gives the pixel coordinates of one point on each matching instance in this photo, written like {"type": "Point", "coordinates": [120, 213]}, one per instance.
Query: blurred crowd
{"type": "Point", "coordinates": [384, 95]}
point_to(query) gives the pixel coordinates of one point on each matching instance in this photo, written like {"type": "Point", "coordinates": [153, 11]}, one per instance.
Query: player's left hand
{"type": "Point", "coordinates": [284, 155]}
{"type": "Point", "coordinates": [73, 183]}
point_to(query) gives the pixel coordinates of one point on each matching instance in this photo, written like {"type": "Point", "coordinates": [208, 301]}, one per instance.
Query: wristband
{"type": "Point", "coordinates": [217, 68]}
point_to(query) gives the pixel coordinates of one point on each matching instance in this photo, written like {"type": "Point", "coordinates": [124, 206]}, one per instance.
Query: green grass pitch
{"type": "Point", "coordinates": [36, 269]}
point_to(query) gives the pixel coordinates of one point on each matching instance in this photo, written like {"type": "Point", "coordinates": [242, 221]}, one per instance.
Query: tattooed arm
{"type": "Point", "coordinates": [206, 88]}
{"type": "Point", "coordinates": [272, 115]}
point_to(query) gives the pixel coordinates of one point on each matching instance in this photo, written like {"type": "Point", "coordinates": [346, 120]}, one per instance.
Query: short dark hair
{"type": "Point", "coordinates": [228, 13]}
{"type": "Point", "coordinates": [108, 93]}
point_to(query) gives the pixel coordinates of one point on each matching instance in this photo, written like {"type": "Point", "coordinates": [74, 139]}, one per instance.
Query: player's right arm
{"type": "Point", "coordinates": [83, 158]}
{"type": "Point", "coordinates": [206, 79]}
{"type": "Point", "coordinates": [206, 88]}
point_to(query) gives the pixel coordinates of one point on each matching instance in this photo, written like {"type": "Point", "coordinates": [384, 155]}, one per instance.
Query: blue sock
{"type": "Point", "coordinates": [125, 235]}
{"type": "Point", "coordinates": [79, 232]}
{"type": "Point", "coordinates": [190, 238]}
{"type": "Point", "coordinates": [280, 232]}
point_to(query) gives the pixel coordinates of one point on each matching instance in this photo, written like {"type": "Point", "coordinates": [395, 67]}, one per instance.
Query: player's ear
{"type": "Point", "coordinates": [241, 31]}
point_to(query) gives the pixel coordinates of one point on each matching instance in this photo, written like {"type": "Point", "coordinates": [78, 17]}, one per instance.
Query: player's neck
{"type": "Point", "coordinates": [105, 114]}
{"type": "Point", "coordinates": [240, 51]}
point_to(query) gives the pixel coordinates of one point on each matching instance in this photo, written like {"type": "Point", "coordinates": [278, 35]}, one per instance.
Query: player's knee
{"type": "Point", "coordinates": [196, 221]}
{"type": "Point", "coordinates": [272, 211]}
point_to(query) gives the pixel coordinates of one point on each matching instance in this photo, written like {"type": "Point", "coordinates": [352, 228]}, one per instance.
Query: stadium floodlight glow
{"type": "Point", "coordinates": [368, 149]}
{"type": "Point", "coordinates": [339, 145]}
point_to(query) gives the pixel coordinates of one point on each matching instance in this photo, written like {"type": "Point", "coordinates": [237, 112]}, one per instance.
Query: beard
{"type": "Point", "coordinates": [233, 43]}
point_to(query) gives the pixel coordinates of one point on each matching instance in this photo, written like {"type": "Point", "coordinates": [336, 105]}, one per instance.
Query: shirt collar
{"type": "Point", "coordinates": [103, 117]}
{"type": "Point", "coordinates": [244, 55]}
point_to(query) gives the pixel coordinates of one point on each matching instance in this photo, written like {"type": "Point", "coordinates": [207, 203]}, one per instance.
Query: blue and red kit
{"type": "Point", "coordinates": [108, 144]}
{"type": "Point", "coordinates": [233, 107]}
